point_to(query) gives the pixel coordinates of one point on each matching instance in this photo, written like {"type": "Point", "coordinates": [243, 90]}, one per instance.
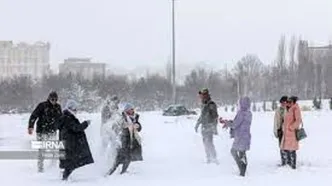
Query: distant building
{"type": "Point", "coordinates": [24, 59]}
{"type": "Point", "coordinates": [322, 58]}
{"type": "Point", "coordinates": [83, 67]}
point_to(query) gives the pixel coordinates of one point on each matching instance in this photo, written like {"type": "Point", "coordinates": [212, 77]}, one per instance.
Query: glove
{"type": "Point", "coordinates": [30, 131]}
{"type": "Point", "coordinates": [88, 122]}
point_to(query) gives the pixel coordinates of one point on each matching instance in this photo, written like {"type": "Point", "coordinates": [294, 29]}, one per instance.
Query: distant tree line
{"type": "Point", "coordinates": [298, 74]}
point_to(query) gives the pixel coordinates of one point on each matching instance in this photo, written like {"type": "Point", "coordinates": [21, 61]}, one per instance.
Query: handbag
{"type": "Point", "coordinates": [300, 133]}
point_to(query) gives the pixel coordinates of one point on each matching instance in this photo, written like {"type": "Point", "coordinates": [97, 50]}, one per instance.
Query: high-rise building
{"type": "Point", "coordinates": [322, 60]}
{"type": "Point", "coordinates": [83, 67]}
{"type": "Point", "coordinates": [23, 59]}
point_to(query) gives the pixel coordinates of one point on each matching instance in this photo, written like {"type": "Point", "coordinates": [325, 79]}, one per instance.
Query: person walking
{"type": "Point", "coordinates": [72, 132]}
{"type": "Point", "coordinates": [46, 113]}
{"type": "Point", "coordinates": [208, 121]}
{"type": "Point", "coordinates": [240, 131]}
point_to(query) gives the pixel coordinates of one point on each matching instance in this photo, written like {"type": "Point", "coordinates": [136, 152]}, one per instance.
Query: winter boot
{"type": "Point", "coordinates": [288, 157]}
{"type": "Point", "coordinates": [293, 159]}
{"type": "Point", "coordinates": [283, 156]}
{"type": "Point", "coordinates": [243, 164]}
{"type": "Point", "coordinates": [243, 169]}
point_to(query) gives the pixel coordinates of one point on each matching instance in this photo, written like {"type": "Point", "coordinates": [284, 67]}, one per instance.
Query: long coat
{"type": "Point", "coordinates": [293, 119]}
{"type": "Point", "coordinates": [240, 126]}
{"type": "Point", "coordinates": [130, 150]}
{"type": "Point", "coordinates": [77, 150]}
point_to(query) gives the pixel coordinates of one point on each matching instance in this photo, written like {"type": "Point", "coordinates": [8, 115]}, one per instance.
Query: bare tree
{"type": "Point", "coordinates": [292, 67]}
{"type": "Point", "coordinates": [248, 71]}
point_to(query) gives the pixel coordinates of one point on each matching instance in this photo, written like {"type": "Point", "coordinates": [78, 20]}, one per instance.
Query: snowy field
{"type": "Point", "coordinates": [174, 155]}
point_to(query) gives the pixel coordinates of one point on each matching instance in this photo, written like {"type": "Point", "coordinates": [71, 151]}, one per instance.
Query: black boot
{"type": "Point", "coordinates": [293, 159]}
{"type": "Point", "coordinates": [243, 170]}
{"type": "Point", "coordinates": [283, 156]}
{"type": "Point", "coordinates": [288, 157]}
{"type": "Point", "coordinates": [243, 163]}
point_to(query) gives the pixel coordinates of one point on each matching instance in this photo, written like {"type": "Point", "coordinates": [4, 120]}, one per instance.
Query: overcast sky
{"type": "Point", "coordinates": [131, 33]}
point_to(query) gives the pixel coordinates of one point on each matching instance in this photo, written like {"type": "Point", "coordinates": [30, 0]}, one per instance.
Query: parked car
{"type": "Point", "coordinates": [177, 110]}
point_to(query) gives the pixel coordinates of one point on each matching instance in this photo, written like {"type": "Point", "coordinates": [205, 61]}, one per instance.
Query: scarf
{"type": "Point", "coordinates": [132, 130]}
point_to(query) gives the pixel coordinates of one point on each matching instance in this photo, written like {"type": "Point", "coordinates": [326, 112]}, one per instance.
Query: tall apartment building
{"type": "Point", "coordinates": [82, 66]}
{"type": "Point", "coordinates": [24, 59]}
{"type": "Point", "coordinates": [322, 56]}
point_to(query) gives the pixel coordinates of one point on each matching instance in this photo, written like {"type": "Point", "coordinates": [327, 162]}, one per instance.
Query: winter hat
{"type": "Point", "coordinates": [128, 106]}
{"type": "Point", "coordinates": [71, 105]}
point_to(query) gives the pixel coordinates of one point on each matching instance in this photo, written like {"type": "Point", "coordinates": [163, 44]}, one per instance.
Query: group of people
{"type": "Point", "coordinates": [239, 129]}
{"type": "Point", "coordinates": [287, 121]}
{"type": "Point", "coordinates": [121, 132]}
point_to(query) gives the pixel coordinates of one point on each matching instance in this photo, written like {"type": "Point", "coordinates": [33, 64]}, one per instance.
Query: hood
{"type": "Point", "coordinates": [245, 104]}
{"type": "Point", "coordinates": [71, 105]}
{"type": "Point", "coordinates": [128, 106]}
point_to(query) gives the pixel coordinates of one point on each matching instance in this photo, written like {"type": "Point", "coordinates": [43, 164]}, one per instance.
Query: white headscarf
{"type": "Point", "coordinates": [71, 106]}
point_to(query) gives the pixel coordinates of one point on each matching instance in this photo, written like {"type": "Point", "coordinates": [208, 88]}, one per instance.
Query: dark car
{"type": "Point", "coordinates": [177, 110]}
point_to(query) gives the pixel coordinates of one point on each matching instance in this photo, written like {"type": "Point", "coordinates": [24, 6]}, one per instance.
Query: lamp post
{"type": "Point", "coordinates": [173, 53]}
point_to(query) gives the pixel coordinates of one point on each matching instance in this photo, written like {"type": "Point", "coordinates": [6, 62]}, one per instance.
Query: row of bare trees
{"type": "Point", "coordinates": [303, 73]}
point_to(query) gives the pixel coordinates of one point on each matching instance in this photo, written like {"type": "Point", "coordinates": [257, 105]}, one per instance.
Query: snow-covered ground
{"type": "Point", "coordinates": [174, 155]}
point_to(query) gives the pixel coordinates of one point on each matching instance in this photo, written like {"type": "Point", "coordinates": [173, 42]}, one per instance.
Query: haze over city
{"type": "Point", "coordinates": [132, 34]}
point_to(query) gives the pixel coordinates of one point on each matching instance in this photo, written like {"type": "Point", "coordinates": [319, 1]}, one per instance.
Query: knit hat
{"type": "Point", "coordinates": [71, 105]}
{"type": "Point", "coordinates": [128, 106]}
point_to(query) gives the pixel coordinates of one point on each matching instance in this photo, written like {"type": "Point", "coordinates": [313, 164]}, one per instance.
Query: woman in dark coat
{"type": "Point", "coordinates": [130, 149]}
{"type": "Point", "coordinates": [77, 150]}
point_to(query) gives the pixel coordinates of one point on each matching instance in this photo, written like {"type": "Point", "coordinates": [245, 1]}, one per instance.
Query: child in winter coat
{"type": "Point", "coordinates": [240, 131]}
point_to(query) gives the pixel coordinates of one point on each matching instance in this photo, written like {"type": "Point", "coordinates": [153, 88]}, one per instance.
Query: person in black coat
{"type": "Point", "coordinates": [46, 113]}
{"type": "Point", "coordinates": [130, 149]}
{"type": "Point", "coordinates": [77, 150]}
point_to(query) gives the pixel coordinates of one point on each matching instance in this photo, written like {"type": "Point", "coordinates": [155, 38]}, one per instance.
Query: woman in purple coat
{"type": "Point", "coordinates": [240, 131]}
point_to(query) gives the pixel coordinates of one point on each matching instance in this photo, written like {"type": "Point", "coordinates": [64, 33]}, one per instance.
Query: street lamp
{"type": "Point", "coordinates": [173, 53]}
